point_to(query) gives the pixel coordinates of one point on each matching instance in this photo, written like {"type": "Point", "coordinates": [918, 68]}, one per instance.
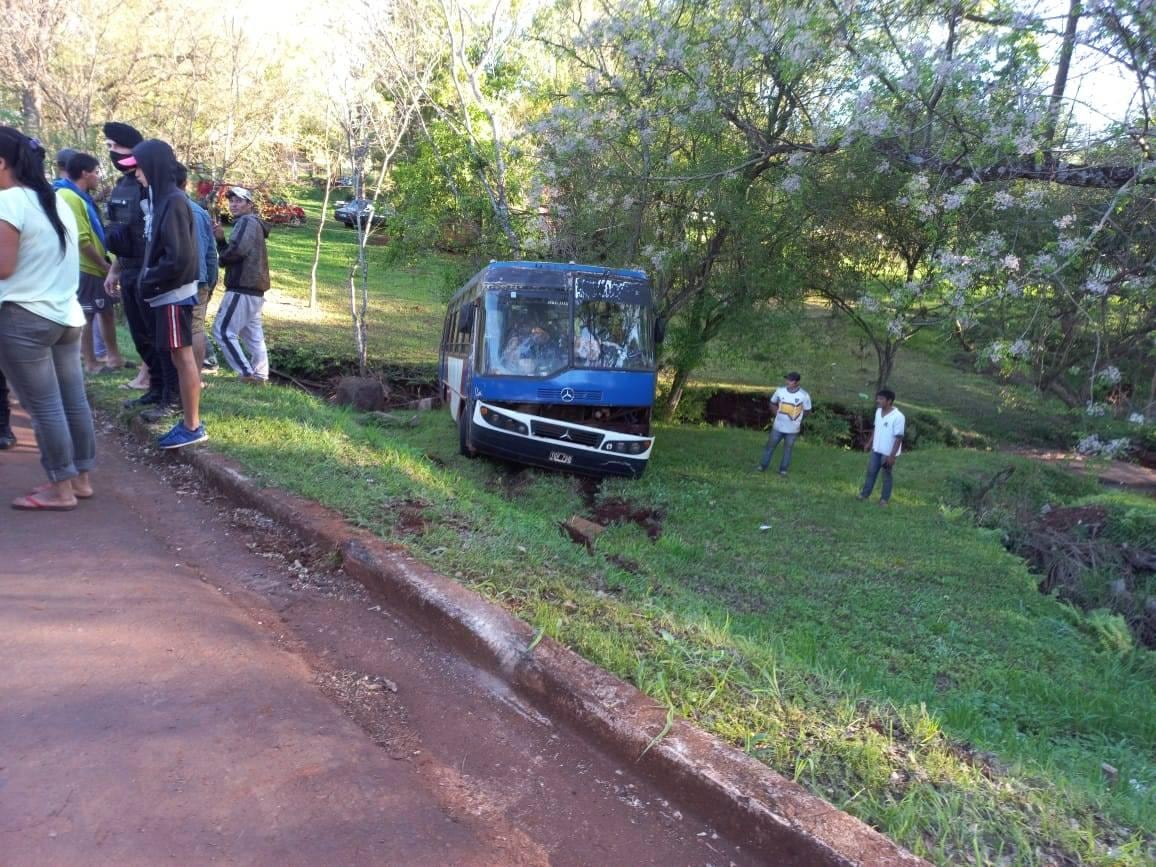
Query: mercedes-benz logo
{"type": "Point", "coordinates": [567, 394]}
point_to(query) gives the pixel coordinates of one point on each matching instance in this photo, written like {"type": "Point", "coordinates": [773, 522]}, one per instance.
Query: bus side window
{"type": "Point", "coordinates": [448, 329]}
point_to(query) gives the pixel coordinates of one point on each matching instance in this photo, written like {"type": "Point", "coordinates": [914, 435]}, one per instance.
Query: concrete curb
{"type": "Point", "coordinates": [764, 811]}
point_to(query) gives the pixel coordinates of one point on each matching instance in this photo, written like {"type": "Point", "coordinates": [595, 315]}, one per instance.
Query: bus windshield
{"type": "Point", "coordinates": [526, 331]}
{"type": "Point", "coordinates": [532, 332]}
{"type": "Point", "coordinates": [612, 334]}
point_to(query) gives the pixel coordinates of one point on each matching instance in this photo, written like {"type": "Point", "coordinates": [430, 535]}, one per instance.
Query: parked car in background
{"type": "Point", "coordinates": [355, 210]}
{"type": "Point", "coordinates": [274, 209]}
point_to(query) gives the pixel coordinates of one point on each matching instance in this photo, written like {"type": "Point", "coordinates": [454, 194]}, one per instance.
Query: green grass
{"type": "Point", "coordinates": [406, 307]}
{"type": "Point", "coordinates": [897, 662]}
{"type": "Point", "coordinates": [839, 366]}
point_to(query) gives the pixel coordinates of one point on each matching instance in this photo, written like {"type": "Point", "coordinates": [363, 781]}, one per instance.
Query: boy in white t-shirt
{"type": "Point", "coordinates": [789, 404]}
{"type": "Point", "coordinates": [886, 444]}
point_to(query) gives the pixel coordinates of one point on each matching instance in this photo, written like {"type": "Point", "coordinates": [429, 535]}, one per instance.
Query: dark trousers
{"type": "Point", "coordinates": [5, 411]}
{"type": "Point", "coordinates": [142, 324]}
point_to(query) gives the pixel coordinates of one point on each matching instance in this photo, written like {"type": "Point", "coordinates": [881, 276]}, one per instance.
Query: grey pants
{"type": "Point", "coordinates": [41, 360]}
{"type": "Point", "coordinates": [239, 316]}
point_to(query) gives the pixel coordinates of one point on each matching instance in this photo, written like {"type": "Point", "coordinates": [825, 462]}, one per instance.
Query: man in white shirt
{"type": "Point", "coordinates": [886, 444]}
{"type": "Point", "coordinates": [789, 404]}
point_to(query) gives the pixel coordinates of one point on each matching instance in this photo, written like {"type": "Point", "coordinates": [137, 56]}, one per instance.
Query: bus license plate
{"type": "Point", "coordinates": [561, 457]}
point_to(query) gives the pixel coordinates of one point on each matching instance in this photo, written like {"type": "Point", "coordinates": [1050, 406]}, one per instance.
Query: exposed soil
{"type": "Point", "coordinates": [744, 409]}
{"type": "Point", "coordinates": [319, 376]}
{"type": "Point", "coordinates": [618, 511]}
{"type": "Point", "coordinates": [1067, 545]}
{"type": "Point", "coordinates": [409, 517]}
{"type": "Point", "coordinates": [1090, 518]}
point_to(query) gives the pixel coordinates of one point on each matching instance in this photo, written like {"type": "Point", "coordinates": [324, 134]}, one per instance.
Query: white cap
{"type": "Point", "coordinates": [241, 193]}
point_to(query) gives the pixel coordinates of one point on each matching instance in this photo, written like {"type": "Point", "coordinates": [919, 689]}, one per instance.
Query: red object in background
{"type": "Point", "coordinates": [274, 209]}
{"type": "Point", "coordinates": [271, 209]}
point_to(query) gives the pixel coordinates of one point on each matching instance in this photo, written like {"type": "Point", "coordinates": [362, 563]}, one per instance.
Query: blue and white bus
{"type": "Point", "coordinates": [552, 365]}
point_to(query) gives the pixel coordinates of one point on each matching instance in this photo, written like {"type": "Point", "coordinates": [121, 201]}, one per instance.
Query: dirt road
{"type": "Point", "coordinates": [181, 682]}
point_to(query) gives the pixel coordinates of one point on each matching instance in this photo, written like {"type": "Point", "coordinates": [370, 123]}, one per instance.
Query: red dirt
{"type": "Point", "coordinates": [182, 680]}
{"type": "Point", "coordinates": [616, 511]}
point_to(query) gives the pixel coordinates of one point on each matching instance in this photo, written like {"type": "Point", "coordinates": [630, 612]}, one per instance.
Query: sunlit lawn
{"type": "Point", "coordinates": [406, 306]}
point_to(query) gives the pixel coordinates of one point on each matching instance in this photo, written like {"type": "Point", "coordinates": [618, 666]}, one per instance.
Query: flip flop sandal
{"type": "Point", "coordinates": [31, 504]}
{"type": "Point", "coordinates": [40, 489]}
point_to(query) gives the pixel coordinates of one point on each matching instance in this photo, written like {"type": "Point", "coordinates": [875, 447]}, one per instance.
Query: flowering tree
{"type": "Point", "coordinates": [962, 193]}
{"type": "Point", "coordinates": [672, 143]}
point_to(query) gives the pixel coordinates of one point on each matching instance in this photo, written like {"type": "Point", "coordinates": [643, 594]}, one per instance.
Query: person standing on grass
{"type": "Point", "coordinates": [246, 262]}
{"type": "Point", "coordinates": [789, 404]}
{"type": "Point", "coordinates": [124, 231]}
{"type": "Point", "coordinates": [97, 304]}
{"type": "Point", "coordinates": [41, 322]}
{"type": "Point", "coordinates": [168, 280]}
{"type": "Point", "coordinates": [206, 267]}
{"type": "Point", "coordinates": [886, 444]}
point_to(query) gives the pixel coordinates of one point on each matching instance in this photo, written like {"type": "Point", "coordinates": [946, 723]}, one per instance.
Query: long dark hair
{"type": "Point", "coordinates": [25, 157]}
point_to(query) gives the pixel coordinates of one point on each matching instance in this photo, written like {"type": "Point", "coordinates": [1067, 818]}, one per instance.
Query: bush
{"type": "Point", "coordinates": [1110, 631]}
{"type": "Point", "coordinates": [829, 427]}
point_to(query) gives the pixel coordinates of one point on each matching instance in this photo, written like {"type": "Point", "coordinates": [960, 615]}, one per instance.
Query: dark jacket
{"type": "Point", "coordinates": [245, 257]}
{"type": "Point", "coordinates": [124, 229]}
{"type": "Point", "coordinates": [171, 256]}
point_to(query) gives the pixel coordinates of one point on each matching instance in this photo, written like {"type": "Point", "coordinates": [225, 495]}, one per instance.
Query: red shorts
{"type": "Point", "coordinates": [174, 323]}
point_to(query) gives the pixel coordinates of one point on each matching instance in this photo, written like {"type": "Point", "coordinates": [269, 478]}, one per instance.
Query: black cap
{"type": "Point", "coordinates": [63, 156]}
{"type": "Point", "coordinates": [122, 134]}
{"type": "Point", "coordinates": [792, 377]}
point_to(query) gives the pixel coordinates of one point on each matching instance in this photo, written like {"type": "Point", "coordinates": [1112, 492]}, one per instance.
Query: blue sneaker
{"type": "Point", "coordinates": [180, 436]}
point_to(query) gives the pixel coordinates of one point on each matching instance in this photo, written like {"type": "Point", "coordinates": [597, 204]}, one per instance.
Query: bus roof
{"type": "Point", "coordinates": [547, 275]}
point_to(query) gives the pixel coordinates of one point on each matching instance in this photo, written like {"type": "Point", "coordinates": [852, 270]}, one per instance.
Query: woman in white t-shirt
{"type": "Point", "coordinates": [41, 322]}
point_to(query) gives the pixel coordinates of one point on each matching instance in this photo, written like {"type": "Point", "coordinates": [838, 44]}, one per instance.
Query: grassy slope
{"type": "Point", "coordinates": [898, 662]}
{"type": "Point", "coordinates": [837, 365]}
{"type": "Point", "coordinates": [408, 298]}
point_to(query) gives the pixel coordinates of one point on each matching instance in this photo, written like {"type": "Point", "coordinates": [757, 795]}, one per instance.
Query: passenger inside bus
{"type": "Point", "coordinates": [528, 349]}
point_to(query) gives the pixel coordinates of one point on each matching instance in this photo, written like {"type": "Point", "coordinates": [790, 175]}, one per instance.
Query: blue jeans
{"type": "Point", "coordinates": [41, 359]}
{"type": "Point", "coordinates": [788, 441]}
{"type": "Point", "coordinates": [874, 465]}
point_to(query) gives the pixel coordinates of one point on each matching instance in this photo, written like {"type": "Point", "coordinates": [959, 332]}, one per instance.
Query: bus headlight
{"type": "Point", "coordinates": [633, 447]}
{"type": "Point", "coordinates": [505, 422]}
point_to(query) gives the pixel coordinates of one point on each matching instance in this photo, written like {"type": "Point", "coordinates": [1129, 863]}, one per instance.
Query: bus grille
{"type": "Point", "coordinates": [555, 394]}
{"type": "Point", "coordinates": [567, 434]}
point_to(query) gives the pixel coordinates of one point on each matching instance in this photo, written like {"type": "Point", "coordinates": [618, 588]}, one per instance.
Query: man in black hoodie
{"type": "Point", "coordinates": [168, 278]}
{"type": "Point", "coordinates": [124, 231]}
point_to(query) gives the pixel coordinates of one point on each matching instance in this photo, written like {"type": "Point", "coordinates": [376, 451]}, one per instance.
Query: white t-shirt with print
{"type": "Point", "coordinates": [792, 405]}
{"type": "Point", "coordinates": [887, 428]}
{"type": "Point", "coordinates": [45, 280]}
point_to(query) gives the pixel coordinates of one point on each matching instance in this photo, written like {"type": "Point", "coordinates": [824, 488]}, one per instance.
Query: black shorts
{"type": "Point", "coordinates": [174, 323]}
{"type": "Point", "coordinates": [93, 299]}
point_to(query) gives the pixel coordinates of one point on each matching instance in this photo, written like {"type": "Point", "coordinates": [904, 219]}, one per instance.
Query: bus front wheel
{"type": "Point", "coordinates": [464, 424]}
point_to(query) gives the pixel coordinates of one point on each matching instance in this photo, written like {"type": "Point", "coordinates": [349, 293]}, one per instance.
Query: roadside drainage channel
{"type": "Point", "coordinates": [756, 806]}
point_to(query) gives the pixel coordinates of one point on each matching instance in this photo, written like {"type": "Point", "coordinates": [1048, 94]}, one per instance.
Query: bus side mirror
{"type": "Point", "coordinates": [466, 322]}
{"type": "Point", "coordinates": [659, 330]}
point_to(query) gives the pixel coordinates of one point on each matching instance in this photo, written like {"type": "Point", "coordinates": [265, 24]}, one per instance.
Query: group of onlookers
{"type": "Point", "coordinates": [64, 268]}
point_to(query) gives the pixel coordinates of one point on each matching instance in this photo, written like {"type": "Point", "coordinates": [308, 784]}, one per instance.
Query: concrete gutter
{"type": "Point", "coordinates": [752, 804]}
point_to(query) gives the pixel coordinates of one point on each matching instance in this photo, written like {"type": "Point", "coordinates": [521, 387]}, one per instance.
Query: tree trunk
{"type": "Point", "coordinates": [886, 354]}
{"type": "Point", "coordinates": [31, 110]}
{"type": "Point", "coordinates": [677, 387]}
{"type": "Point", "coordinates": [1067, 47]}
{"type": "Point", "coordinates": [317, 242]}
